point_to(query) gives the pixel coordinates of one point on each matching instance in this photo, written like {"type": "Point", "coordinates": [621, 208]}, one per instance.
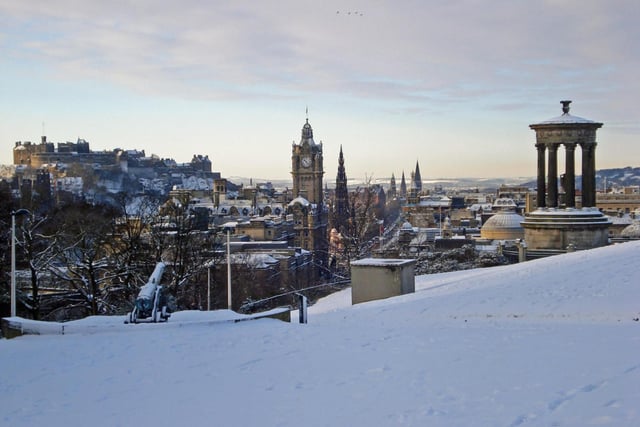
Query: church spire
{"type": "Point", "coordinates": [341, 207]}
{"type": "Point", "coordinates": [417, 179]}
{"type": "Point", "coordinates": [403, 186]}
{"type": "Point", "coordinates": [392, 186]}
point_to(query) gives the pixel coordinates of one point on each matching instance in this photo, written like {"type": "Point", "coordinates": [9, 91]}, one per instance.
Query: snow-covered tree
{"type": "Point", "coordinates": [83, 261]}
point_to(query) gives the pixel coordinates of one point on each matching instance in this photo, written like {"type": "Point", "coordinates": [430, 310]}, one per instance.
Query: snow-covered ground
{"type": "Point", "coordinates": [551, 342]}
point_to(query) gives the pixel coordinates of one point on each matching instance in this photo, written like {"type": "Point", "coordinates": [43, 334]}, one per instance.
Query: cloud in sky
{"type": "Point", "coordinates": [432, 80]}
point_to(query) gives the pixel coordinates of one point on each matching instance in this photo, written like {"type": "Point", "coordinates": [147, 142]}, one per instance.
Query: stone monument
{"type": "Point", "coordinates": [552, 226]}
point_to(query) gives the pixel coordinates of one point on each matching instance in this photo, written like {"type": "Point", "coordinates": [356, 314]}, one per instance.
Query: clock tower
{"type": "Point", "coordinates": [307, 207]}
{"type": "Point", "coordinates": [306, 167]}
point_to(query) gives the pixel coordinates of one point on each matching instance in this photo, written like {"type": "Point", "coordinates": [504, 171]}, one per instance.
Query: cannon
{"type": "Point", "coordinates": [151, 304]}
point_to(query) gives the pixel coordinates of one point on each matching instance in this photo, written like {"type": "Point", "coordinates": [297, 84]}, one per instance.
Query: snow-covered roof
{"type": "Point", "coordinates": [625, 220]}
{"type": "Point", "coordinates": [383, 262]}
{"type": "Point", "coordinates": [565, 119]}
{"type": "Point", "coordinates": [504, 202]}
{"type": "Point", "coordinates": [435, 201]}
{"type": "Point", "coordinates": [632, 230]}
{"type": "Point", "coordinates": [301, 200]}
{"type": "Point", "coordinates": [256, 260]}
{"type": "Point", "coordinates": [478, 206]}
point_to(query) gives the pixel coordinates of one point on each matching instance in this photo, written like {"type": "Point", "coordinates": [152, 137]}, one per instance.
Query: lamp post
{"type": "Point", "coordinates": [13, 257]}
{"type": "Point", "coordinates": [228, 270]}
{"type": "Point", "coordinates": [209, 287]}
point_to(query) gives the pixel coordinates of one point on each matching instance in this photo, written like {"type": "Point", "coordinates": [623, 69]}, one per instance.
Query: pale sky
{"type": "Point", "coordinates": [451, 84]}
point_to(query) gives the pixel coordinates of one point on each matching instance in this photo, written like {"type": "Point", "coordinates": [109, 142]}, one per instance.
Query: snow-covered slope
{"type": "Point", "coordinates": [548, 342]}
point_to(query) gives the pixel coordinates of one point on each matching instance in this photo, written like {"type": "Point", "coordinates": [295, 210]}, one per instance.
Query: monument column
{"type": "Point", "coordinates": [570, 176]}
{"type": "Point", "coordinates": [541, 172]}
{"type": "Point", "coordinates": [588, 175]}
{"type": "Point", "coordinates": [552, 179]}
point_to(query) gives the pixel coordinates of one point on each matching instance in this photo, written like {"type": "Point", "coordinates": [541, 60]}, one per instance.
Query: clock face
{"type": "Point", "coordinates": [306, 162]}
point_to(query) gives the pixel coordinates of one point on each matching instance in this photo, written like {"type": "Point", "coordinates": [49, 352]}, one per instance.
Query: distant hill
{"type": "Point", "coordinates": [620, 177]}
{"type": "Point", "coordinates": [617, 177]}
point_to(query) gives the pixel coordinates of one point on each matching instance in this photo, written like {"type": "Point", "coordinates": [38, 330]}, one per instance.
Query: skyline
{"type": "Point", "coordinates": [453, 86]}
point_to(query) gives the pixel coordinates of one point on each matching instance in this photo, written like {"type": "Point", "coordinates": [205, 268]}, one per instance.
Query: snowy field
{"type": "Point", "coordinates": [551, 342]}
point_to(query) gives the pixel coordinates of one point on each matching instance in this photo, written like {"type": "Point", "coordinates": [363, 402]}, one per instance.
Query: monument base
{"type": "Point", "coordinates": [553, 228]}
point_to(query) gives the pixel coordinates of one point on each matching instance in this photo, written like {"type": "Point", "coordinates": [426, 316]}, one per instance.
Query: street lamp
{"type": "Point", "coordinates": [13, 257]}
{"type": "Point", "coordinates": [228, 270]}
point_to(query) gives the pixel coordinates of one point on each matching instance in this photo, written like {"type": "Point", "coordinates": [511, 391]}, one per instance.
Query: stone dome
{"type": "Point", "coordinates": [505, 225]}
{"type": "Point", "coordinates": [631, 231]}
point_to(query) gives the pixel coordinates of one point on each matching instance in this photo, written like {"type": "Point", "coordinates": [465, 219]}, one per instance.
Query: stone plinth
{"type": "Point", "coordinates": [379, 278]}
{"type": "Point", "coordinates": [549, 228]}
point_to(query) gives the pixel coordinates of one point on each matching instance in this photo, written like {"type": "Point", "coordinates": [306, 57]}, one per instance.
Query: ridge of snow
{"type": "Point", "coordinates": [546, 342]}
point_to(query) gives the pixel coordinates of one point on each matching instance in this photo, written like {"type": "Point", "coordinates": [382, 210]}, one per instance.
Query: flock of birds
{"type": "Point", "coordinates": [354, 13]}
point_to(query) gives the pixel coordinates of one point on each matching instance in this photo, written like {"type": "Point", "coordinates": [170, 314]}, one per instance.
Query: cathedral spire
{"type": "Point", "coordinates": [392, 186]}
{"type": "Point", "coordinates": [417, 179]}
{"type": "Point", "coordinates": [403, 186]}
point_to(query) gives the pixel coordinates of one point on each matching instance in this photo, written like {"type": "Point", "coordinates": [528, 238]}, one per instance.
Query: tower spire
{"type": "Point", "coordinates": [417, 179]}
{"type": "Point", "coordinates": [341, 206]}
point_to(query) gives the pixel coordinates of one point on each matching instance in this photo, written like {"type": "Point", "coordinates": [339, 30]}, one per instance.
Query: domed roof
{"type": "Point", "coordinates": [300, 200]}
{"type": "Point", "coordinates": [566, 118]}
{"type": "Point", "coordinates": [407, 226]}
{"type": "Point", "coordinates": [505, 225]}
{"type": "Point", "coordinates": [632, 230]}
{"type": "Point", "coordinates": [504, 219]}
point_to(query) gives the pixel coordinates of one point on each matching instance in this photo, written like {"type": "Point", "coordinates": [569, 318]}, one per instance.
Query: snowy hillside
{"type": "Point", "coordinates": [547, 342]}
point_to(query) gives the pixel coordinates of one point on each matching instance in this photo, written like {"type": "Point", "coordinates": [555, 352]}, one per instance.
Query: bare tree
{"type": "Point", "coordinates": [179, 243]}
{"type": "Point", "coordinates": [82, 255]}
{"type": "Point", "coordinates": [131, 247]}
{"type": "Point", "coordinates": [38, 249]}
{"type": "Point", "coordinates": [363, 223]}
{"type": "Point", "coordinates": [6, 207]}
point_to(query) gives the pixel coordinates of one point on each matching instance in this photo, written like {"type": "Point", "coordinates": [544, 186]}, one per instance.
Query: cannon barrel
{"type": "Point", "coordinates": [146, 296]}
{"type": "Point", "coordinates": [149, 289]}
